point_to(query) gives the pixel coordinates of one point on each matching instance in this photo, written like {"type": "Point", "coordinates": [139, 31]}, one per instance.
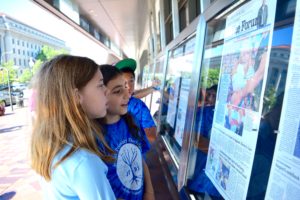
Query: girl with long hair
{"type": "Point", "coordinates": [128, 175]}
{"type": "Point", "coordinates": [70, 95]}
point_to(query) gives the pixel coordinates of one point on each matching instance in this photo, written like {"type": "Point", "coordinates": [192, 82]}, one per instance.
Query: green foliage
{"type": "Point", "coordinates": [45, 54]}
{"type": "Point", "coordinates": [210, 77]}
{"type": "Point", "coordinates": [12, 72]}
{"type": "Point", "coordinates": [26, 76]}
{"type": "Point", "coordinates": [48, 53]}
{"type": "Point", "coordinates": [270, 98]}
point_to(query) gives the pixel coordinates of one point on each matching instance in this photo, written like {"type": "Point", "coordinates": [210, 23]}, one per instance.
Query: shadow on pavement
{"type": "Point", "coordinates": [10, 129]}
{"type": "Point", "coordinates": [7, 195]}
{"type": "Point", "coordinates": [8, 114]}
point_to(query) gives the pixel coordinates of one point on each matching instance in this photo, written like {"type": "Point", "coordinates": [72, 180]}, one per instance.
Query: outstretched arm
{"type": "Point", "coordinates": [143, 92]}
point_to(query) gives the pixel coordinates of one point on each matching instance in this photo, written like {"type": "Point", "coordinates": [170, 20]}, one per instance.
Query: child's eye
{"type": "Point", "coordinates": [100, 85]}
{"type": "Point", "coordinates": [117, 92]}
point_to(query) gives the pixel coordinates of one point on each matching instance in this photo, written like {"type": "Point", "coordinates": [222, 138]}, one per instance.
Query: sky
{"type": "Point", "coordinates": [31, 14]}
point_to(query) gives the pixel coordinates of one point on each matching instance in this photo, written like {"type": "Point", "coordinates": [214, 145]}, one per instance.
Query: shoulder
{"type": "Point", "coordinates": [138, 103]}
{"type": "Point", "coordinates": [134, 100]}
{"type": "Point", "coordinates": [81, 159]}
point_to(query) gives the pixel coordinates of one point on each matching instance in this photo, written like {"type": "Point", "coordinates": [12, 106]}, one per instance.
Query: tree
{"type": "Point", "coordinates": [12, 73]}
{"type": "Point", "coordinates": [45, 54]}
{"type": "Point", "coordinates": [26, 76]}
{"type": "Point", "coordinates": [48, 52]}
{"type": "Point", "coordinates": [210, 77]}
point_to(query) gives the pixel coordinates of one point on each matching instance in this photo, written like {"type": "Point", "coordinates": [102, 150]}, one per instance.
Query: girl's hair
{"type": "Point", "coordinates": [60, 119]}
{"type": "Point", "coordinates": [109, 73]}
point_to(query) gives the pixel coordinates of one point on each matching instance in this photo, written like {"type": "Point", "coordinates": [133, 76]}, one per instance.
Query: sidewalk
{"type": "Point", "coordinates": [17, 180]}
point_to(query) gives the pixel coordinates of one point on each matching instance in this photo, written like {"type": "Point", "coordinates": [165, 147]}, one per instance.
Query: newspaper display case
{"type": "Point", "coordinates": [221, 110]}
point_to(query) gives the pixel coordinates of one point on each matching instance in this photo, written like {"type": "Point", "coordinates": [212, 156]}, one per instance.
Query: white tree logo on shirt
{"type": "Point", "coordinates": [129, 166]}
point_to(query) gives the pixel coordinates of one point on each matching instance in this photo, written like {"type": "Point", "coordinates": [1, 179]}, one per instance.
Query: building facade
{"type": "Point", "coordinates": [21, 43]}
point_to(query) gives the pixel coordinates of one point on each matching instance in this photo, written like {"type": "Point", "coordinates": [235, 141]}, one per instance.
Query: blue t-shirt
{"type": "Point", "coordinates": [126, 174]}
{"type": "Point", "coordinates": [80, 176]}
{"type": "Point", "coordinates": [141, 112]}
{"type": "Point", "coordinates": [206, 122]}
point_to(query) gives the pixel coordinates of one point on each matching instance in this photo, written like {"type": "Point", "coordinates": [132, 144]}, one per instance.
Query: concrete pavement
{"type": "Point", "coordinates": [17, 180]}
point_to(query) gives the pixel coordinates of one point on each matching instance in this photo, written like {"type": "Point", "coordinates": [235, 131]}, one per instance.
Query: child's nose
{"type": "Point", "coordinates": [107, 92]}
{"type": "Point", "coordinates": [127, 95]}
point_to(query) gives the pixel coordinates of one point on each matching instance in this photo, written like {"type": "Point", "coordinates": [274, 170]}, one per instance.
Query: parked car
{"type": "Point", "coordinates": [16, 97]}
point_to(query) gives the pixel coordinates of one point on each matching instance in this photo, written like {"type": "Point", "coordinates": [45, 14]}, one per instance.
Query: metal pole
{"type": "Point", "coordinates": [10, 99]}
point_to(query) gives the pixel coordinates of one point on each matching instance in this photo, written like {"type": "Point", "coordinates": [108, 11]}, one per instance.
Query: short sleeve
{"type": "Point", "coordinates": [90, 181]}
{"type": "Point", "coordinates": [141, 112]}
{"type": "Point", "coordinates": [147, 120]}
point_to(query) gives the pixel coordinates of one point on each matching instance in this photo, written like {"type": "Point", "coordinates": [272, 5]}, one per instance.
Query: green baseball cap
{"type": "Point", "coordinates": [126, 63]}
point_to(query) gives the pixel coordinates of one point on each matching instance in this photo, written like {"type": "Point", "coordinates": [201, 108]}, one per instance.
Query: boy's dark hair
{"type": "Point", "coordinates": [214, 87]}
{"type": "Point", "coordinates": [128, 70]}
{"type": "Point", "coordinates": [109, 73]}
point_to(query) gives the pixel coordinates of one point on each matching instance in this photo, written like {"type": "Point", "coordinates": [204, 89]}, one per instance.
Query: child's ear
{"type": "Point", "coordinates": [78, 96]}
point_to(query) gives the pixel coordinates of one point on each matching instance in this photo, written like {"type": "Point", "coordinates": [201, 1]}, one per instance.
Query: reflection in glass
{"type": "Point", "coordinates": [198, 183]}
{"type": "Point", "coordinates": [175, 95]}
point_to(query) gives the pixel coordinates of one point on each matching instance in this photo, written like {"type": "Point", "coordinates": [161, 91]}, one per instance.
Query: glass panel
{"type": "Point", "coordinates": [198, 182]}
{"type": "Point", "coordinates": [148, 74]}
{"type": "Point", "coordinates": [175, 94]}
{"type": "Point", "coordinates": [156, 98]}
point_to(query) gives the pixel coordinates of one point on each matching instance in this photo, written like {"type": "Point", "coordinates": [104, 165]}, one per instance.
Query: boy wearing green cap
{"type": "Point", "coordinates": [136, 106]}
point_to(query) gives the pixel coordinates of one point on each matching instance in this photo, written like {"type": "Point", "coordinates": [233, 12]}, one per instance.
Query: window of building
{"type": "Point", "coordinates": [188, 11]}
{"type": "Point", "coordinates": [168, 20]}
{"type": "Point", "coordinates": [183, 11]}
{"type": "Point", "coordinates": [84, 23]}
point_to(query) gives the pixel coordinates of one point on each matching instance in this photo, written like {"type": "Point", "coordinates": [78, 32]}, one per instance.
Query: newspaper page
{"type": "Point", "coordinates": [244, 66]}
{"type": "Point", "coordinates": [173, 100]}
{"type": "Point", "coordinates": [284, 180]}
{"type": "Point", "coordinates": [182, 108]}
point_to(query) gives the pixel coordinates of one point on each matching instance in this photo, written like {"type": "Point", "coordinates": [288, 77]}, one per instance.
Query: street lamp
{"type": "Point", "coordinates": [31, 64]}
{"type": "Point", "coordinates": [8, 83]}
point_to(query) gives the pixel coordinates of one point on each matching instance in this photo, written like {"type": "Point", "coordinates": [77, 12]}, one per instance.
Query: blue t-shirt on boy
{"type": "Point", "coordinates": [141, 112]}
{"type": "Point", "coordinates": [126, 174]}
